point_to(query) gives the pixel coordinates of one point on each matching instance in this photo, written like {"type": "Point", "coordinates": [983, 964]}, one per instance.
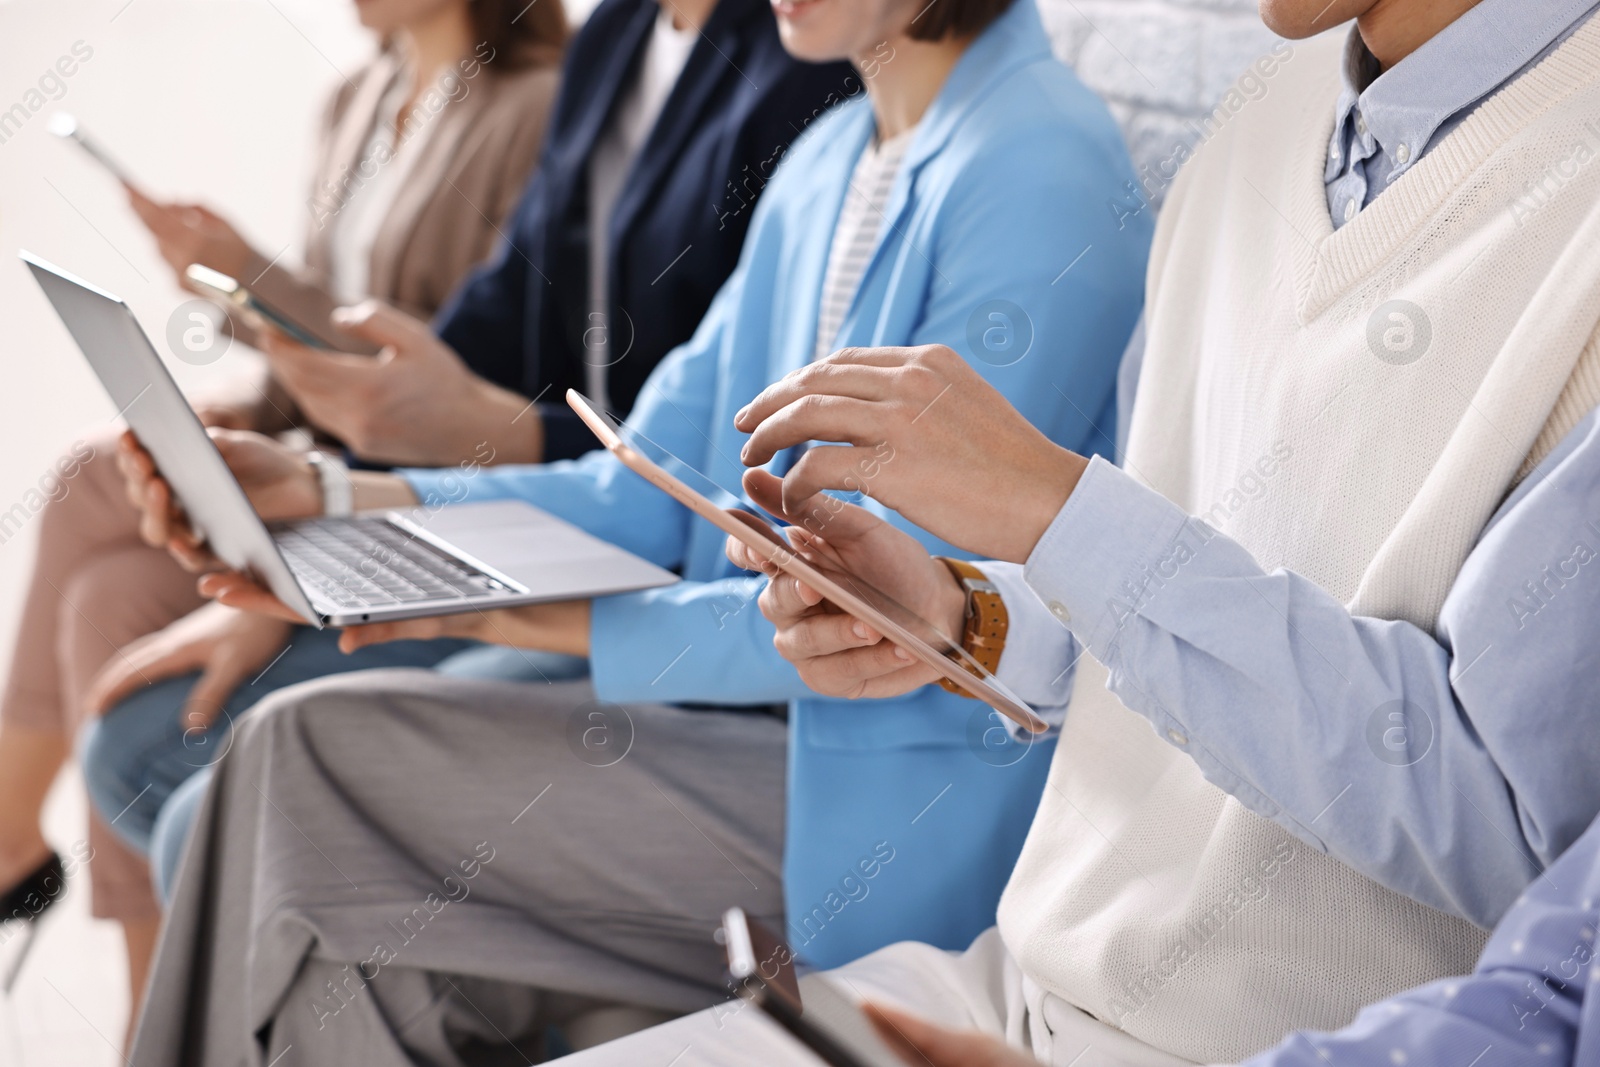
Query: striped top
{"type": "Point", "coordinates": [856, 236]}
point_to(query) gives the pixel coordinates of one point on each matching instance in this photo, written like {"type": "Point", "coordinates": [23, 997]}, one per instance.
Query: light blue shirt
{"type": "Point", "coordinates": [1532, 1001]}
{"type": "Point", "coordinates": [1005, 183]}
{"type": "Point", "coordinates": [1452, 768]}
{"type": "Point", "coordinates": [1385, 122]}
{"type": "Point", "coordinates": [1511, 779]}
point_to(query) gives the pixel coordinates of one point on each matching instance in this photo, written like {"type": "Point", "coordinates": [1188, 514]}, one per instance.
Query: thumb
{"type": "Point", "coordinates": [210, 692]}
{"type": "Point", "coordinates": [842, 521]}
{"type": "Point", "coordinates": [382, 324]}
{"type": "Point", "coordinates": [140, 664]}
{"type": "Point", "coordinates": [921, 1043]}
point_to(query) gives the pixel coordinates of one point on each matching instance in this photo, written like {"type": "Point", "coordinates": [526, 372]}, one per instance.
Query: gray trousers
{"type": "Point", "coordinates": [398, 868]}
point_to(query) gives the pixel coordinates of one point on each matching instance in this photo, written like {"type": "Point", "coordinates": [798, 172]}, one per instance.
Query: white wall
{"type": "Point", "coordinates": [1160, 64]}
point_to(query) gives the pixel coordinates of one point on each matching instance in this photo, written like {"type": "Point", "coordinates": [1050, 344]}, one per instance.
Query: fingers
{"type": "Point", "coordinates": [922, 1044]}
{"type": "Point", "coordinates": [742, 555]}
{"type": "Point", "coordinates": [146, 491]}
{"type": "Point", "coordinates": [810, 511]}
{"type": "Point", "coordinates": [149, 212]}
{"type": "Point", "coordinates": [821, 469]}
{"type": "Point", "coordinates": [240, 591]}
{"type": "Point", "coordinates": [308, 367]}
{"type": "Point", "coordinates": [133, 668]}
{"type": "Point", "coordinates": [827, 633]}
{"type": "Point", "coordinates": [378, 633]}
{"type": "Point", "coordinates": [906, 1035]}
{"type": "Point", "coordinates": [224, 416]}
{"type": "Point", "coordinates": [787, 599]}
{"type": "Point", "coordinates": [210, 693]}
{"type": "Point", "coordinates": [383, 324]}
{"type": "Point", "coordinates": [876, 672]}
{"type": "Point", "coordinates": [155, 519]}
{"type": "Point", "coordinates": [814, 417]}
{"type": "Point", "coordinates": [856, 372]}
{"type": "Point", "coordinates": [190, 551]}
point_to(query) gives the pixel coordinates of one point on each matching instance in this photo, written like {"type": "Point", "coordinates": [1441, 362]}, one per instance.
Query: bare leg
{"type": "Point", "coordinates": [29, 761]}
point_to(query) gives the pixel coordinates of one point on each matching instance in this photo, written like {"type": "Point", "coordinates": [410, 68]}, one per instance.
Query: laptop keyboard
{"type": "Point", "coordinates": [365, 562]}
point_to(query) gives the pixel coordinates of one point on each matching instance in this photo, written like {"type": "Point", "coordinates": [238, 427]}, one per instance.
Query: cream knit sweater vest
{"type": "Point", "coordinates": [1144, 895]}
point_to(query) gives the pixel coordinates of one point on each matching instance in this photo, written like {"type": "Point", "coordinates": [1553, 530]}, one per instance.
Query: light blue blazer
{"type": "Point", "coordinates": [1001, 240]}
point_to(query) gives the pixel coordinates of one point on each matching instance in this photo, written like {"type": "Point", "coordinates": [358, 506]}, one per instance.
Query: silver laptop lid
{"type": "Point", "coordinates": [146, 395]}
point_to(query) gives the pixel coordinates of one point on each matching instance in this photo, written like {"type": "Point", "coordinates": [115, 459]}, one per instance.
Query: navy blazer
{"type": "Point", "coordinates": [679, 221]}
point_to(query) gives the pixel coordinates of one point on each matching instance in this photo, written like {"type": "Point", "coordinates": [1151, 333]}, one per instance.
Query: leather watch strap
{"type": "Point", "coordinates": [984, 637]}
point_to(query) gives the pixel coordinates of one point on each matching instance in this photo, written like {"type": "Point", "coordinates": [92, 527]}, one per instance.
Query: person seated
{"type": "Point", "coordinates": [1530, 1000]}
{"type": "Point", "coordinates": [1312, 649]}
{"type": "Point", "coordinates": [420, 158]}
{"type": "Point", "coordinates": [656, 118]}
{"type": "Point", "coordinates": [623, 812]}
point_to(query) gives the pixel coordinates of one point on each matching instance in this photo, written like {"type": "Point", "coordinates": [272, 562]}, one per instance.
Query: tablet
{"type": "Point", "coordinates": [65, 126]}
{"type": "Point", "coordinates": [845, 591]}
{"type": "Point", "coordinates": [236, 296]}
{"type": "Point", "coordinates": [822, 1015]}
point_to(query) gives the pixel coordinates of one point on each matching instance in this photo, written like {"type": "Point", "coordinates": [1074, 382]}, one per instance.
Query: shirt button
{"type": "Point", "coordinates": [1402, 155]}
{"type": "Point", "coordinates": [1059, 610]}
{"type": "Point", "coordinates": [1349, 210]}
{"type": "Point", "coordinates": [1361, 125]}
{"type": "Point", "coordinates": [1177, 738]}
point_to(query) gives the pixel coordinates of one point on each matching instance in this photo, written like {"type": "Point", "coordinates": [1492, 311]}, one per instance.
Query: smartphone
{"type": "Point", "coordinates": [65, 126]}
{"type": "Point", "coordinates": [761, 970]}
{"type": "Point", "coordinates": [256, 311]}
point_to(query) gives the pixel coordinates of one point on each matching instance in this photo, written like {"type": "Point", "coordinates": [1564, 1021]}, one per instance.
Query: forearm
{"type": "Point", "coordinates": [380, 489]}
{"type": "Point", "coordinates": [496, 423]}
{"type": "Point", "coordinates": [1282, 697]}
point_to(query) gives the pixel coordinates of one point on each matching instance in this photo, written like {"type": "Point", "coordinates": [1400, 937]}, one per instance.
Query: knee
{"type": "Point", "coordinates": [300, 716]}
{"type": "Point", "coordinates": [113, 775]}
{"type": "Point", "coordinates": [110, 597]}
{"type": "Point", "coordinates": [83, 488]}
{"type": "Point", "coordinates": [120, 754]}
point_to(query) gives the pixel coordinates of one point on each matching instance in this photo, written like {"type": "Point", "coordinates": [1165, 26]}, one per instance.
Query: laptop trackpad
{"type": "Point", "coordinates": [551, 558]}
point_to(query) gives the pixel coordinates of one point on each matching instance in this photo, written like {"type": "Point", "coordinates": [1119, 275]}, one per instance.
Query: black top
{"type": "Point", "coordinates": [678, 223]}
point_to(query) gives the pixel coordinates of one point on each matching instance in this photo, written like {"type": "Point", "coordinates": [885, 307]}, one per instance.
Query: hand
{"type": "Point", "coordinates": [557, 627]}
{"type": "Point", "coordinates": [278, 481]}
{"type": "Point", "coordinates": [192, 233]}
{"type": "Point", "coordinates": [253, 401]}
{"type": "Point", "coordinates": [837, 655]}
{"type": "Point", "coordinates": [922, 1044]}
{"type": "Point", "coordinates": [226, 646]}
{"type": "Point", "coordinates": [926, 436]}
{"type": "Point", "coordinates": [414, 403]}
{"type": "Point", "coordinates": [227, 413]}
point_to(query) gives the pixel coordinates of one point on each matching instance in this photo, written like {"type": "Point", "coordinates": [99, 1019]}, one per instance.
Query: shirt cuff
{"type": "Point", "coordinates": [1104, 554]}
{"type": "Point", "coordinates": [1040, 654]}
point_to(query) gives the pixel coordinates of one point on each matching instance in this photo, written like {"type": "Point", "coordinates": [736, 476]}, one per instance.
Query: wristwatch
{"type": "Point", "coordinates": [984, 636]}
{"type": "Point", "coordinates": [338, 495]}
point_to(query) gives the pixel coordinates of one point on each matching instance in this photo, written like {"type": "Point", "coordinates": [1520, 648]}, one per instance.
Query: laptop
{"type": "Point", "coordinates": [368, 567]}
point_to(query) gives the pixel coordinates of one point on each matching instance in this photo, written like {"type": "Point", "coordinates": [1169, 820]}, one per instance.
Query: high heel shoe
{"type": "Point", "coordinates": [23, 904]}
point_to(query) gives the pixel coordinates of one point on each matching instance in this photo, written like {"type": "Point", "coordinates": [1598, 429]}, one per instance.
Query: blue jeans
{"type": "Point", "coordinates": [135, 756]}
{"type": "Point", "coordinates": [176, 810]}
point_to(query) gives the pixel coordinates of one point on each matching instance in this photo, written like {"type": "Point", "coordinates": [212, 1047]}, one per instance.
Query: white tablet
{"type": "Point", "coordinates": [846, 591]}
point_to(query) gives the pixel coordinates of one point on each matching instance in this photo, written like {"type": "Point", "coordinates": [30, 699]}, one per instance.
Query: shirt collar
{"type": "Point", "coordinates": [1459, 66]}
